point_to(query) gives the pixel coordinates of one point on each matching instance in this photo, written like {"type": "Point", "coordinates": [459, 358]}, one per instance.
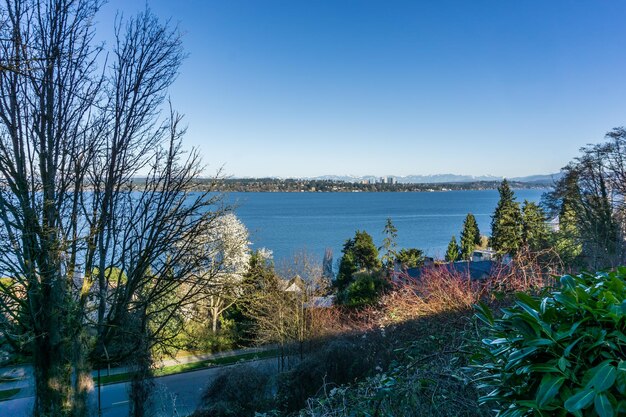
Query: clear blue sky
{"type": "Point", "coordinates": [304, 88]}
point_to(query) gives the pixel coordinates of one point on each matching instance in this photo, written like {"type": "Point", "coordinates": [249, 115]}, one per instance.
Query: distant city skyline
{"type": "Point", "coordinates": [304, 89]}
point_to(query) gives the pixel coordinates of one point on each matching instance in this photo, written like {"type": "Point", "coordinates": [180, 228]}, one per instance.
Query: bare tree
{"type": "Point", "coordinates": [592, 190]}
{"type": "Point", "coordinates": [73, 142]}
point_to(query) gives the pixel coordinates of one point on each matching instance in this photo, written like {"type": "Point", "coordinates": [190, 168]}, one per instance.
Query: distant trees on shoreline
{"type": "Point", "coordinates": [299, 185]}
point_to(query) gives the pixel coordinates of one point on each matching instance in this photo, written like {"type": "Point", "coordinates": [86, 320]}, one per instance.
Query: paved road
{"type": "Point", "coordinates": [24, 373]}
{"type": "Point", "coordinates": [174, 395]}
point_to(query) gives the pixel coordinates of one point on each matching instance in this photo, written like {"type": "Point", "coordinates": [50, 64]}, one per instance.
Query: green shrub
{"type": "Point", "coordinates": [364, 290]}
{"type": "Point", "coordinates": [561, 353]}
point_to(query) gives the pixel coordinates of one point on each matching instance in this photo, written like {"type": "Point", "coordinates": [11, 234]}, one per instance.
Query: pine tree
{"type": "Point", "coordinates": [453, 252]}
{"type": "Point", "coordinates": [506, 222]}
{"type": "Point", "coordinates": [535, 232]}
{"type": "Point", "coordinates": [470, 237]}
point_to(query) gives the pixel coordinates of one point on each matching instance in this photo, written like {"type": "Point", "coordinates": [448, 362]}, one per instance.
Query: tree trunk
{"type": "Point", "coordinates": [142, 383]}
{"type": "Point", "coordinates": [214, 319]}
{"type": "Point", "coordinates": [82, 378]}
{"type": "Point", "coordinates": [52, 370]}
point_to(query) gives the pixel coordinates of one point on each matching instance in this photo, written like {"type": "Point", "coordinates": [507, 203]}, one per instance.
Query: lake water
{"type": "Point", "coordinates": [290, 222]}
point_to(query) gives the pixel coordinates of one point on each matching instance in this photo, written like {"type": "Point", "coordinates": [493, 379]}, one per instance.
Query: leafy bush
{"type": "Point", "coordinates": [561, 353]}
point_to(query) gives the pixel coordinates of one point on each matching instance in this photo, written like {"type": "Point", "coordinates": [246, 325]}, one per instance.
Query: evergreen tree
{"type": "Point", "coordinates": [535, 232]}
{"type": "Point", "coordinates": [389, 244]}
{"type": "Point", "coordinates": [567, 240]}
{"type": "Point", "coordinates": [347, 268]}
{"type": "Point", "coordinates": [365, 252]}
{"type": "Point", "coordinates": [506, 222]}
{"type": "Point", "coordinates": [453, 252]}
{"type": "Point", "coordinates": [359, 253]}
{"type": "Point", "coordinates": [410, 258]}
{"type": "Point", "coordinates": [470, 237]}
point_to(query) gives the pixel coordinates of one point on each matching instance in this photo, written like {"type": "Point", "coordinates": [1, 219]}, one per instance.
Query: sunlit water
{"type": "Point", "coordinates": [287, 223]}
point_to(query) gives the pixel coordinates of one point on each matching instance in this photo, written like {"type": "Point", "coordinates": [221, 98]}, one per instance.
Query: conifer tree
{"type": "Point", "coordinates": [470, 237]}
{"type": "Point", "coordinates": [453, 252]}
{"type": "Point", "coordinates": [506, 222]}
{"type": "Point", "coordinates": [535, 232]}
{"type": "Point", "coordinates": [410, 258]}
{"type": "Point", "coordinates": [359, 253]}
{"type": "Point", "coordinates": [567, 240]}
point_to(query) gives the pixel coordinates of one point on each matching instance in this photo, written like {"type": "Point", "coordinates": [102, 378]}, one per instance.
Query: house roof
{"type": "Point", "coordinates": [320, 302]}
{"type": "Point", "coordinates": [476, 270]}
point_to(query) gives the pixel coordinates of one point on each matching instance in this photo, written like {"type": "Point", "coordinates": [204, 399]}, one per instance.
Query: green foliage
{"type": "Point", "coordinates": [470, 237]}
{"type": "Point", "coordinates": [535, 233]}
{"type": "Point", "coordinates": [359, 253]}
{"type": "Point", "coordinates": [559, 353]}
{"type": "Point", "coordinates": [389, 245]}
{"type": "Point", "coordinates": [365, 289]}
{"type": "Point", "coordinates": [567, 240]}
{"type": "Point", "coordinates": [410, 258]}
{"type": "Point", "coordinates": [454, 251]}
{"type": "Point", "coordinates": [365, 252]}
{"type": "Point", "coordinates": [589, 200]}
{"type": "Point", "coordinates": [199, 336]}
{"type": "Point", "coordinates": [506, 222]}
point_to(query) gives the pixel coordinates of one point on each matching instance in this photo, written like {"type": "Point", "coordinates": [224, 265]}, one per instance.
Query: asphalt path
{"type": "Point", "coordinates": [174, 395]}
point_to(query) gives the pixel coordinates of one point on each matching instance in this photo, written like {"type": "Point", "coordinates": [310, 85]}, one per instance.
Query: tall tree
{"type": "Point", "coordinates": [535, 232]}
{"type": "Point", "coordinates": [563, 203]}
{"type": "Point", "coordinates": [359, 253]}
{"type": "Point", "coordinates": [506, 222]}
{"type": "Point", "coordinates": [73, 140]}
{"type": "Point", "coordinates": [470, 237]}
{"type": "Point", "coordinates": [390, 244]}
{"type": "Point", "coordinates": [594, 205]}
{"type": "Point", "coordinates": [454, 251]}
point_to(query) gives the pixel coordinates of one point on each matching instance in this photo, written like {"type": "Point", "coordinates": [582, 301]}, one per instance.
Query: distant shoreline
{"type": "Point", "coordinates": [272, 185]}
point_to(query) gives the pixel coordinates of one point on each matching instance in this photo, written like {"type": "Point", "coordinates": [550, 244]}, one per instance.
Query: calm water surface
{"type": "Point", "coordinates": [287, 223]}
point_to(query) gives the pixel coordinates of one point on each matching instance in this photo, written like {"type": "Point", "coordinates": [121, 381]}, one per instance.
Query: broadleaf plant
{"type": "Point", "coordinates": [561, 353]}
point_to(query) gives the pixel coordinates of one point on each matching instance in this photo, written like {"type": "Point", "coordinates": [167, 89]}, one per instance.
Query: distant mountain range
{"type": "Point", "coordinates": [441, 178]}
